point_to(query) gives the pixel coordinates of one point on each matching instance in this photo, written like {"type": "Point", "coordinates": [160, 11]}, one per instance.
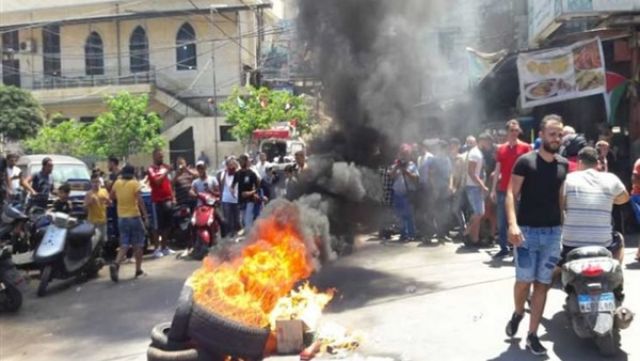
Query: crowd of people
{"type": "Point", "coordinates": [549, 197]}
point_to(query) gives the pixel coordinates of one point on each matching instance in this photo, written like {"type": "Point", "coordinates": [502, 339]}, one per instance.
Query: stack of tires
{"type": "Point", "coordinates": [195, 334]}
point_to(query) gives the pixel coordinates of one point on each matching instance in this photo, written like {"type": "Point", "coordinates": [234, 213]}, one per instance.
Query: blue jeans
{"type": "Point", "coordinates": [404, 212]}
{"type": "Point", "coordinates": [248, 216]}
{"type": "Point", "coordinates": [635, 204]}
{"type": "Point", "coordinates": [538, 255]}
{"type": "Point", "coordinates": [131, 232]}
{"type": "Point", "coordinates": [501, 216]}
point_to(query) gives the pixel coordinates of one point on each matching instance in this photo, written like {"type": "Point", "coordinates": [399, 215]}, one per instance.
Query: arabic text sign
{"type": "Point", "coordinates": [559, 74]}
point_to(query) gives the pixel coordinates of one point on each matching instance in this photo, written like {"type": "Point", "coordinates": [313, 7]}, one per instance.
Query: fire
{"type": "Point", "coordinates": [247, 288]}
{"type": "Point", "coordinates": [306, 304]}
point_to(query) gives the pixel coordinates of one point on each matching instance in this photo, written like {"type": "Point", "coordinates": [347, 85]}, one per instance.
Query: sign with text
{"type": "Point", "coordinates": [560, 74]}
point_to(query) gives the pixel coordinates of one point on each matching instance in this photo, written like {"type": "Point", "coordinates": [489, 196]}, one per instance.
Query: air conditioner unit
{"type": "Point", "coordinates": [28, 46]}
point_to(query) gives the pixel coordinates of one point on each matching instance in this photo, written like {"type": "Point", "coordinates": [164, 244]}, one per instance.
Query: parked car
{"type": "Point", "coordinates": [65, 169]}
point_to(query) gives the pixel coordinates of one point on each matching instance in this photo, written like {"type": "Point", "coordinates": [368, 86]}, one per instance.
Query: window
{"type": "Point", "coordinates": [138, 51]}
{"type": "Point", "coordinates": [87, 120]}
{"type": "Point", "coordinates": [51, 50]}
{"type": "Point", "coordinates": [94, 55]}
{"type": "Point", "coordinates": [186, 56]}
{"type": "Point", "coordinates": [225, 134]}
{"type": "Point", "coordinates": [10, 40]}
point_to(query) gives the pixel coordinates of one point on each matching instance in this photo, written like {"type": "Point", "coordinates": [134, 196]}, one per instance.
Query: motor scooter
{"type": "Point", "coordinates": [12, 283]}
{"type": "Point", "coordinates": [593, 281]}
{"type": "Point", "coordinates": [12, 230]}
{"type": "Point", "coordinates": [68, 249]}
{"type": "Point", "coordinates": [205, 224]}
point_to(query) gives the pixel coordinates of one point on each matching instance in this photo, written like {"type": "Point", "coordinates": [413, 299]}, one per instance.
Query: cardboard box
{"type": "Point", "coordinates": [289, 336]}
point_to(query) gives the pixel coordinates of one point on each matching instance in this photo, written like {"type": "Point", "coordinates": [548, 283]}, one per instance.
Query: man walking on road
{"type": "Point", "coordinates": [162, 199]}
{"type": "Point", "coordinates": [536, 180]}
{"type": "Point", "coordinates": [506, 156]}
{"type": "Point", "coordinates": [248, 186]}
{"type": "Point", "coordinates": [126, 191]}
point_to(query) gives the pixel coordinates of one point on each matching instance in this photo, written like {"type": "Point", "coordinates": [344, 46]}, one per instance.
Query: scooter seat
{"type": "Point", "coordinates": [588, 252]}
{"type": "Point", "coordinates": [80, 234]}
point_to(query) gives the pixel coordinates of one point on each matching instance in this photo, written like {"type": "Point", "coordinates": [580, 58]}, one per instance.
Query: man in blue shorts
{"type": "Point", "coordinates": [537, 181]}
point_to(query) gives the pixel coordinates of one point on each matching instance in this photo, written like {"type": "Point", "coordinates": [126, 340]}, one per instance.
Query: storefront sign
{"type": "Point", "coordinates": [560, 74]}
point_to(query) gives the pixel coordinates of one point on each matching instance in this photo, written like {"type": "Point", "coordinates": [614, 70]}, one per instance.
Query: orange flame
{"type": "Point", "coordinates": [247, 288]}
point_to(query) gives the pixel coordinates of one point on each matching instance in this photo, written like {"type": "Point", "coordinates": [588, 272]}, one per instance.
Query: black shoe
{"type": "Point", "coordinates": [139, 273]}
{"type": "Point", "coordinates": [512, 326]}
{"type": "Point", "coordinates": [503, 253]}
{"type": "Point", "coordinates": [113, 271]}
{"type": "Point", "coordinates": [534, 345]}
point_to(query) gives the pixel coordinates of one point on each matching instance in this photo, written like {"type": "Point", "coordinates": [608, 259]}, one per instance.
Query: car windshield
{"type": "Point", "coordinates": [64, 172]}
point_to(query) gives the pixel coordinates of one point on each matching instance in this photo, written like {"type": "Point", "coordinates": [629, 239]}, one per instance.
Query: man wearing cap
{"type": "Point", "coordinates": [589, 196]}
{"type": "Point", "coordinates": [204, 182]}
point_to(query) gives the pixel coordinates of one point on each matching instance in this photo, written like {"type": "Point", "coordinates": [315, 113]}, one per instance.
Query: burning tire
{"type": "Point", "coordinates": [180, 322]}
{"type": "Point", "coordinates": [217, 334]}
{"type": "Point", "coordinates": [156, 354]}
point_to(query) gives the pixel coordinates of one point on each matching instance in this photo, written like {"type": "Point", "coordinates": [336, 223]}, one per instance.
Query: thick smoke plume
{"type": "Point", "coordinates": [373, 59]}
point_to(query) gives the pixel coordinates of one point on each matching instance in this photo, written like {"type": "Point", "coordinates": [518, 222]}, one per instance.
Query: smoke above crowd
{"type": "Point", "coordinates": [373, 58]}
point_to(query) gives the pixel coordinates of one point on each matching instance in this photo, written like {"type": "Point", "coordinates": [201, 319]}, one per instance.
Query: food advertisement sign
{"type": "Point", "coordinates": [559, 74]}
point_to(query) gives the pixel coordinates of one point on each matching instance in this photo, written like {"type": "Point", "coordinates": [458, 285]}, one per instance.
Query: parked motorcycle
{"type": "Point", "coordinates": [205, 224]}
{"type": "Point", "coordinates": [12, 230]}
{"type": "Point", "coordinates": [593, 281]}
{"type": "Point", "coordinates": [12, 283]}
{"type": "Point", "coordinates": [68, 249]}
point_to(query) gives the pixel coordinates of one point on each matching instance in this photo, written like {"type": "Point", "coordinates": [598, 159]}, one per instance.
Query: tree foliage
{"type": "Point", "coordinates": [68, 137]}
{"type": "Point", "coordinates": [20, 114]}
{"type": "Point", "coordinates": [126, 128]}
{"type": "Point", "coordinates": [260, 108]}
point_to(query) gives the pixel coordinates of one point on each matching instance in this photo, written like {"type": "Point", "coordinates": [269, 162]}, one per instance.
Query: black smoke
{"type": "Point", "coordinates": [368, 56]}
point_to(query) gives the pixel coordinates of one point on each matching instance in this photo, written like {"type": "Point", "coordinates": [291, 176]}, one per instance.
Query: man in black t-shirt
{"type": "Point", "coordinates": [248, 186]}
{"type": "Point", "coordinates": [537, 180]}
{"type": "Point", "coordinates": [42, 184]}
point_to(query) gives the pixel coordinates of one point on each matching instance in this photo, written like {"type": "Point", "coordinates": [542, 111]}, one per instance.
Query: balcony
{"type": "Point", "coordinates": [69, 80]}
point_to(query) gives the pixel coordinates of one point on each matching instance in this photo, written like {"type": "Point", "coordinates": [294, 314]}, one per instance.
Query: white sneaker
{"type": "Point", "coordinates": [158, 253]}
{"type": "Point", "coordinates": [168, 251]}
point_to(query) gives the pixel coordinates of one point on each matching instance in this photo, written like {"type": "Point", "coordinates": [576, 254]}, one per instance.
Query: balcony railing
{"type": "Point", "coordinates": [110, 77]}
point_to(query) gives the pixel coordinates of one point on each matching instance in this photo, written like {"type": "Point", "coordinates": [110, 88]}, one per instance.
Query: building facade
{"type": "Point", "coordinates": [186, 56]}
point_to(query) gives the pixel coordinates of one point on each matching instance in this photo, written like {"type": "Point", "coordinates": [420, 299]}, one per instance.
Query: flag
{"type": "Point", "coordinates": [616, 90]}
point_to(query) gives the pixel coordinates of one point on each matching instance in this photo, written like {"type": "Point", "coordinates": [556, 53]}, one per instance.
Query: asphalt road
{"type": "Point", "coordinates": [411, 302]}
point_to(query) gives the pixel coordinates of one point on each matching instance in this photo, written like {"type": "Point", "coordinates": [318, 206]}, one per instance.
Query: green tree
{"type": "Point", "coordinates": [67, 137]}
{"type": "Point", "coordinates": [20, 114]}
{"type": "Point", "coordinates": [260, 108]}
{"type": "Point", "coordinates": [126, 128]}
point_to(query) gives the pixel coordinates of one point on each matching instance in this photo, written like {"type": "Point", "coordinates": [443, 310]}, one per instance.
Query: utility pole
{"type": "Point", "coordinates": [216, 134]}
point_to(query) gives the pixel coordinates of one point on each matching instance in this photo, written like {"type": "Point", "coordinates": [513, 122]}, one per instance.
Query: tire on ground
{"type": "Point", "coordinates": [156, 354]}
{"type": "Point", "coordinates": [212, 332]}
{"type": "Point", "coordinates": [161, 340]}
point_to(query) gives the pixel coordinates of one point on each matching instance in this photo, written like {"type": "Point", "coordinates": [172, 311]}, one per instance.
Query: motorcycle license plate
{"type": "Point", "coordinates": [604, 302]}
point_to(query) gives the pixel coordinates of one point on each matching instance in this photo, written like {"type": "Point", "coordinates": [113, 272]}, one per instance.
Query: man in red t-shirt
{"type": "Point", "coordinates": [635, 196]}
{"type": "Point", "coordinates": [506, 156]}
{"type": "Point", "coordinates": [162, 200]}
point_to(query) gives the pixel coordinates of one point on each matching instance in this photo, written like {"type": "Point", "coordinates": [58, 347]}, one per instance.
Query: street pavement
{"type": "Point", "coordinates": [411, 302]}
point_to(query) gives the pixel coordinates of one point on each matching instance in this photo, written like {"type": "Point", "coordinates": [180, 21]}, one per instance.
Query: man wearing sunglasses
{"type": "Point", "coordinates": [506, 156]}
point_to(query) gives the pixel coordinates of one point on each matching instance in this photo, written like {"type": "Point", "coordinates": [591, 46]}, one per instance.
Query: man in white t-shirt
{"type": "Point", "coordinates": [475, 187]}
{"type": "Point", "coordinates": [588, 198]}
{"type": "Point", "coordinates": [262, 165]}
{"type": "Point", "coordinates": [229, 199]}
{"type": "Point", "coordinates": [14, 175]}
{"type": "Point", "coordinates": [204, 183]}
